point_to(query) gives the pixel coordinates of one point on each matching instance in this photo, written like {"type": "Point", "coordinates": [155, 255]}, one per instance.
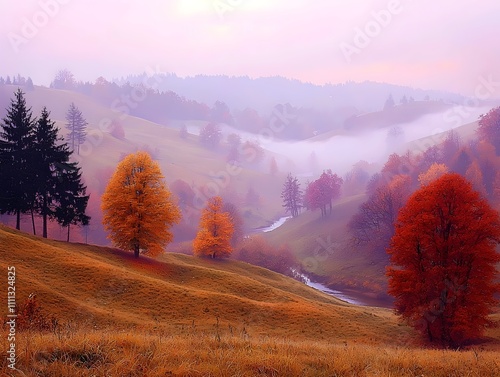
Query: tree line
{"type": "Point", "coordinates": [36, 174]}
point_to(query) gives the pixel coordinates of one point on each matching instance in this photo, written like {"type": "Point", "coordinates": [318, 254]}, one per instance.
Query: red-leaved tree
{"type": "Point", "coordinates": [321, 192]}
{"type": "Point", "coordinates": [443, 261]}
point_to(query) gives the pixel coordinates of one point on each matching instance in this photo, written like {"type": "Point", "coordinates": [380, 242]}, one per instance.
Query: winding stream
{"type": "Point", "coordinates": [320, 287]}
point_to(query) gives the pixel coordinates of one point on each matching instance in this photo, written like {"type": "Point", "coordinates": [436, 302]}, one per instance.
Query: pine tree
{"type": "Point", "coordinates": [216, 229]}
{"type": "Point", "coordinates": [17, 171]}
{"type": "Point", "coordinates": [137, 205]}
{"type": "Point", "coordinates": [71, 197]}
{"type": "Point", "coordinates": [50, 157]}
{"type": "Point", "coordinates": [77, 127]}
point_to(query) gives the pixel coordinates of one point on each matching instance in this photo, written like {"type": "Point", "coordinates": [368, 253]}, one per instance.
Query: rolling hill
{"type": "Point", "coordinates": [184, 316]}
{"type": "Point", "coordinates": [206, 171]}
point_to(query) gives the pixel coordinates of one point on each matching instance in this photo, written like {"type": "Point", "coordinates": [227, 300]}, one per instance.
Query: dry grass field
{"type": "Point", "coordinates": [183, 316]}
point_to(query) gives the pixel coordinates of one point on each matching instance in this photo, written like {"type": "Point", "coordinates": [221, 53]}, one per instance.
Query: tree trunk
{"type": "Point", "coordinates": [136, 251]}
{"type": "Point", "coordinates": [33, 222]}
{"type": "Point", "coordinates": [18, 219]}
{"type": "Point", "coordinates": [44, 217]}
{"type": "Point", "coordinates": [44, 231]}
{"type": "Point", "coordinates": [67, 240]}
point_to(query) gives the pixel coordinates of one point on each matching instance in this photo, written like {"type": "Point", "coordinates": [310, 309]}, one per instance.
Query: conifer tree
{"type": "Point", "coordinates": [50, 157]}
{"type": "Point", "coordinates": [17, 171]}
{"type": "Point", "coordinates": [77, 127]}
{"type": "Point", "coordinates": [71, 197]}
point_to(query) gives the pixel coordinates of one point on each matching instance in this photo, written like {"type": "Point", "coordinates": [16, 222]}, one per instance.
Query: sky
{"type": "Point", "coordinates": [446, 44]}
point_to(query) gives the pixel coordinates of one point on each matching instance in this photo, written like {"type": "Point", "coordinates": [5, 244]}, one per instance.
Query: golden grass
{"type": "Point", "coordinates": [102, 287]}
{"type": "Point", "coordinates": [185, 316]}
{"type": "Point", "coordinates": [227, 351]}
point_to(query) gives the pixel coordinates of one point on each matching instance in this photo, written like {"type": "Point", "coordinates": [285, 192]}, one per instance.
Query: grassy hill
{"type": "Point", "coordinates": [205, 170]}
{"type": "Point", "coordinates": [183, 316]}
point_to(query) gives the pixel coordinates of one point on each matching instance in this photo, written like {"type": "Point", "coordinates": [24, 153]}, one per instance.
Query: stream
{"type": "Point", "coordinates": [351, 298]}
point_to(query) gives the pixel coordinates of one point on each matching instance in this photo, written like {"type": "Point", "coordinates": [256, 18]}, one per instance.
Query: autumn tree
{"type": "Point", "coordinates": [435, 171]}
{"type": "Point", "coordinates": [138, 208]}
{"type": "Point", "coordinates": [210, 135]}
{"type": "Point", "coordinates": [292, 195]}
{"type": "Point", "coordinates": [321, 192]}
{"type": "Point", "coordinates": [450, 146]}
{"type": "Point", "coordinates": [77, 127]}
{"type": "Point", "coordinates": [443, 261]}
{"type": "Point", "coordinates": [475, 177]}
{"type": "Point", "coordinates": [373, 224]}
{"type": "Point", "coordinates": [214, 236]}
{"type": "Point", "coordinates": [489, 128]}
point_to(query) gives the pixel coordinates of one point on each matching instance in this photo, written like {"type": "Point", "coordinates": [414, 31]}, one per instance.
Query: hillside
{"type": "Point", "coordinates": [206, 171]}
{"type": "Point", "coordinates": [182, 316]}
{"type": "Point", "coordinates": [104, 286]}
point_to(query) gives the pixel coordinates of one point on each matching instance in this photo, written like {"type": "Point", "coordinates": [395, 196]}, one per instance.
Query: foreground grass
{"type": "Point", "coordinates": [229, 352]}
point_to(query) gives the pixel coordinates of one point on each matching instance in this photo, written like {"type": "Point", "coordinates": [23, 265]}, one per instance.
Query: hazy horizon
{"type": "Point", "coordinates": [443, 46]}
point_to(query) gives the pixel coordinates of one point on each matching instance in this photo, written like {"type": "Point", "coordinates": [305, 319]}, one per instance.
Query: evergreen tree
{"type": "Point", "coordinates": [50, 156]}
{"type": "Point", "coordinates": [17, 172]}
{"type": "Point", "coordinates": [389, 103]}
{"type": "Point", "coordinates": [77, 127]}
{"type": "Point", "coordinates": [71, 197]}
{"type": "Point", "coordinates": [29, 84]}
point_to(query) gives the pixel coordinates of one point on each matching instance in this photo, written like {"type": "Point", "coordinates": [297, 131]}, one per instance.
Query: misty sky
{"type": "Point", "coordinates": [430, 44]}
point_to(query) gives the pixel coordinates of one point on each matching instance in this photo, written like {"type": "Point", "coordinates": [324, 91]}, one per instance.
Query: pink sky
{"type": "Point", "coordinates": [426, 43]}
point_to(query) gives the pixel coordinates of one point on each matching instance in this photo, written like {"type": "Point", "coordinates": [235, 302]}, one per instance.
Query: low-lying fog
{"type": "Point", "coordinates": [341, 152]}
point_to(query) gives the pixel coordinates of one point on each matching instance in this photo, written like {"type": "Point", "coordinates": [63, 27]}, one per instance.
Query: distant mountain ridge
{"type": "Point", "coordinates": [265, 92]}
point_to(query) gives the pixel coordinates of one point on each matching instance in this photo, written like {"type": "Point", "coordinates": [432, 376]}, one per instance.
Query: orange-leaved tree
{"type": "Point", "coordinates": [216, 229]}
{"type": "Point", "coordinates": [137, 205]}
{"type": "Point", "coordinates": [443, 261]}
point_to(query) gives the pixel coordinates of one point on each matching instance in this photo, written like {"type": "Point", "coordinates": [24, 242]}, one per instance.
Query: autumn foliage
{"type": "Point", "coordinates": [489, 128]}
{"type": "Point", "coordinates": [443, 261]}
{"type": "Point", "coordinates": [137, 205]}
{"type": "Point", "coordinates": [216, 229]}
{"type": "Point", "coordinates": [321, 192]}
{"type": "Point", "coordinates": [373, 225]}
